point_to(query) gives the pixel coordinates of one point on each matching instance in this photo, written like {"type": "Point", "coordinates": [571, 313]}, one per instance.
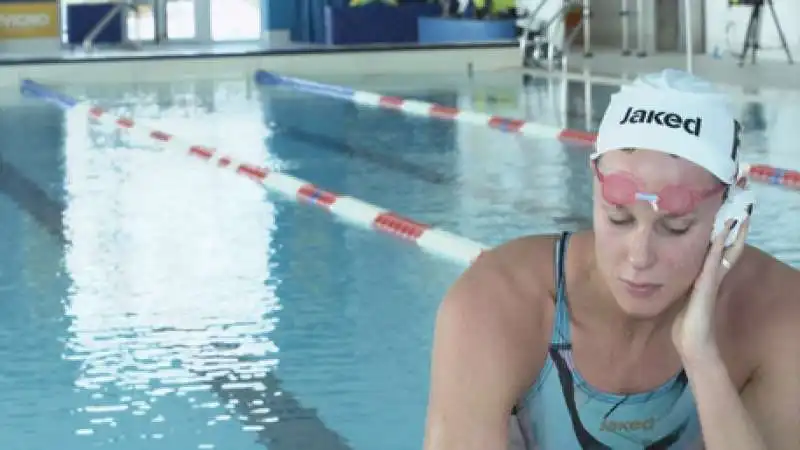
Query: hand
{"type": "Point", "coordinates": [693, 329]}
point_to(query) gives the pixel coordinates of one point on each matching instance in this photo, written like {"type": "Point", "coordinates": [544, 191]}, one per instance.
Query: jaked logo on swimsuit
{"type": "Point", "coordinates": [627, 425]}
{"type": "Point", "coordinates": [662, 118]}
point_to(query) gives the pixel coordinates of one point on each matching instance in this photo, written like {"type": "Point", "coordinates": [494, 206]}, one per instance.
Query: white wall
{"type": "Point", "coordinates": [606, 28]}
{"type": "Point", "coordinates": [726, 27]}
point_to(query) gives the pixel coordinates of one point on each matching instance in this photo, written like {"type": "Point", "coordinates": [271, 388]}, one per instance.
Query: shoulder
{"type": "Point", "coordinates": [764, 287]}
{"type": "Point", "coordinates": [500, 307]}
{"type": "Point", "coordinates": [491, 333]}
{"type": "Point", "coordinates": [765, 302]}
{"type": "Point", "coordinates": [769, 338]}
{"type": "Point", "coordinates": [510, 273]}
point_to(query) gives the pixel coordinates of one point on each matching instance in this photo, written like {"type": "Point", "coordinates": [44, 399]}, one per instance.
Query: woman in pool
{"type": "Point", "coordinates": [642, 333]}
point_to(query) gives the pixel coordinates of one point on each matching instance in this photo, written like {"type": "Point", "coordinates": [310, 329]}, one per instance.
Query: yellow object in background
{"type": "Point", "coordinates": [29, 20]}
{"type": "Point", "coordinates": [503, 5]}
{"type": "Point", "coordinates": [364, 2]}
{"type": "Point", "coordinates": [497, 5]}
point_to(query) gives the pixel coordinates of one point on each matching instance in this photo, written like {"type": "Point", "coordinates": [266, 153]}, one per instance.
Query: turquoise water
{"type": "Point", "coordinates": [150, 301]}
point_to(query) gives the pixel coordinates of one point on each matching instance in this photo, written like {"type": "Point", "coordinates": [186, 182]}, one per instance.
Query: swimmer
{"type": "Point", "coordinates": [649, 331]}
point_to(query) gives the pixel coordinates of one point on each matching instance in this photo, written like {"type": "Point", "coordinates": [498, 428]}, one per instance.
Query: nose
{"type": "Point", "coordinates": [641, 254]}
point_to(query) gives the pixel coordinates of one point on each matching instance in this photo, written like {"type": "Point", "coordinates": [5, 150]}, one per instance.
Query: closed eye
{"type": "Point", "coordinates": [623, 221]}
{"type": "Point", "coordinates": [678, 226]}
{"type": "Point", "coordinates": [677, 231]}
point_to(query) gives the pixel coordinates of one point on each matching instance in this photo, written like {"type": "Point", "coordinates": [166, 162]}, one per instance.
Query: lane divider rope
{"type": "Point", "coordinates": [757, 172]}
{"type": "Point", "coordinates": [425, 109]}
{"type": "Point", "coordinates": [433, 240]}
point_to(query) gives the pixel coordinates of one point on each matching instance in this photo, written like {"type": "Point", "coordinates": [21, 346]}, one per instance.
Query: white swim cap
{"type": "Point", "coordinates": [674, 112]}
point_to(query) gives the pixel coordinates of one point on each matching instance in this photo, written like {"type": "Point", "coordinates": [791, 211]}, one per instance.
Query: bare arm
{"type": "Point", "coordinates": [767, 414]}
{"type": "Point", "coordinates": [773, 396]}
{"type": "Point", "coordinates": [484, 356]}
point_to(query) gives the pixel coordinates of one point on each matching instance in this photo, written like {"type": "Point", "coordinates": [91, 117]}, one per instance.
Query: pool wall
{"type": "Point", "coordinates": [120, 70]}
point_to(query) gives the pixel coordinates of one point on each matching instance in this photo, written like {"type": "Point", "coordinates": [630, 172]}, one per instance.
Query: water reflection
{"type": "Point", "coordinates": [171, 293]}
{"type": "Point", "coordinates": [175, 320]}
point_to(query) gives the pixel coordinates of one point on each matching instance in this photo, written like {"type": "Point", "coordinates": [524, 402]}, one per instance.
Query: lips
{"type": "Point", "coordinates": [640, 290]}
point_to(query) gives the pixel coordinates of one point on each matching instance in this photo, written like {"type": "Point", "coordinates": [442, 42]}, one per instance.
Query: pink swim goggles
{"type": "Point", "coordinates": [623, 188]}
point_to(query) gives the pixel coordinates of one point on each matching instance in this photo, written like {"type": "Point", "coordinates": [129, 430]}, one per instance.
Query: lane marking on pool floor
{"type": "Point", "coordinates": [379, 158]}
{"type": "Point", "coordinates": [433, 240]}
{"type": "Point", "coordinates": [762, 173]}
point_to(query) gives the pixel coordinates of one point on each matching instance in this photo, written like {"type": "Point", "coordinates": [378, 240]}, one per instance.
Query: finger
{"type": "Point", "coordinates": [713, 262]}
{"type": "Point", "coordinates": [733, 253]}
{"type": "Point", "coordinates": [708, 280]}
{"type": "Point", "coordinates": [730, 254]}
{"type": "Point", "coordinates": [718, 246]}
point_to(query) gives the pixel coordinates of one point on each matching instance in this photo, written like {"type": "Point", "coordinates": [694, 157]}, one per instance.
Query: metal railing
{"type": "Point", "coordinates": [539, 34]}
{"type": "Point", "coordinates": [116, 12]}
{"type": "Point", "coordinates": [538, 44]}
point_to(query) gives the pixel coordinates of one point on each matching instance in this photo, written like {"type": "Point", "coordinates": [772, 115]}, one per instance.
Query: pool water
{"type": "Point", "coordinates": [148, 300]}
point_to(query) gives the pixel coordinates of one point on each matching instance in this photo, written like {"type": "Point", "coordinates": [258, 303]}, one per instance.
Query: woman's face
{"type": "Point", "coordinates": [650, 258]}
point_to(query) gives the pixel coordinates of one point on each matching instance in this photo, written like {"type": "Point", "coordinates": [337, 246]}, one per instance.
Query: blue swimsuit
{"type": "Point", "coordinates": [562, 411]}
